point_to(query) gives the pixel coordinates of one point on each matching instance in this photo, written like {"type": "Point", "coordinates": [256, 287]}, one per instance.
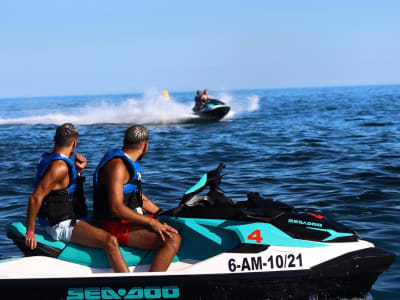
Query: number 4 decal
{"type": "Point", "coordinates": [255, 236]}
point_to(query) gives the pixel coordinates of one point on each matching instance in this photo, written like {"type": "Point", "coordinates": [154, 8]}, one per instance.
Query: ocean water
{"type": "Point", "coordinates": [335, 151]}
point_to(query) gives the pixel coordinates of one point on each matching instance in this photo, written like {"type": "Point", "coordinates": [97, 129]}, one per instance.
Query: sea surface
{"type": "Point", "coordinates": [335, 151]}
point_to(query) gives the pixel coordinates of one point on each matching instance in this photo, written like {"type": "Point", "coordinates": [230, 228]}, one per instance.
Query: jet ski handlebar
{"type": "Point", "coordinates": [212, 179]}
{"type": "Point", "coordinates": [220, 168]}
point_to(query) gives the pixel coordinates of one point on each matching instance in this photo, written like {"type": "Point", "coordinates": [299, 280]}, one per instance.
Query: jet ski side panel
{"type": "Point", "coordinates": [201, 240]}
{"type": "Point", "coordinates": [216, 113]}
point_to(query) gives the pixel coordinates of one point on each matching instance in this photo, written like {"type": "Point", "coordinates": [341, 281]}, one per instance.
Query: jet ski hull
{"type": "Point", "coordinates": [214, 114]}
{"type": "Point", "coordinates": [244, 286]}
{"type": "Point", "coordinates": [340, 277]}
{"type": "Point", "coordinates": [213, 110]}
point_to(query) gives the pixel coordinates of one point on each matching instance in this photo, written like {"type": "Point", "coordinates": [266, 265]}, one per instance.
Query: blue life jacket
{"type": "Point", "coordinates": [57, 206]}
{"type": "Point", "coordinates": [132, 190]}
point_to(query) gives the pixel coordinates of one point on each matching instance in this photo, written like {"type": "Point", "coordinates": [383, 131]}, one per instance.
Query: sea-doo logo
{"type": "Point", "coordinates": [147, 292]}
{"type": "Point", "coordinates": [307, 223]}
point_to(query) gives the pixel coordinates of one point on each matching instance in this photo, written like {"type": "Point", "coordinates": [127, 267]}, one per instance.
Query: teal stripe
{"type": "Point", "coordinates": [270, 234]}
{"type": "Point", "coordinates": [333, 234]}
{"type": "Point", "coordinates": [201, 183]}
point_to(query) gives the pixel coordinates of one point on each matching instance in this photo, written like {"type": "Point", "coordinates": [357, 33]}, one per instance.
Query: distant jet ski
{"type": "Point", "coordinates": [213, 110]}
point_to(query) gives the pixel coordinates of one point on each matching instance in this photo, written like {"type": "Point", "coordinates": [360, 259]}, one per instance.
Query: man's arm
{"type": "Point", "coordinates": [80, 162]}
{"type": "Point", "coordinates": [52, 179]}
{"type": "Point", "coordinates": [149, 206]}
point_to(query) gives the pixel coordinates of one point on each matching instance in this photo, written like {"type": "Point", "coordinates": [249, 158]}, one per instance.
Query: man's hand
{"type": "Point", "coordinates": [80, 162]}
{"type": "Point", "coordinates": [163, 229]}
{"type": "Point", "coordinates": [31, 241]}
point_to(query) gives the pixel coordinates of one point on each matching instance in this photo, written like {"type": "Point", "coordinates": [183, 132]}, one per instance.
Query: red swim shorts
{"type": "Point", "coordinates": [121, 229]}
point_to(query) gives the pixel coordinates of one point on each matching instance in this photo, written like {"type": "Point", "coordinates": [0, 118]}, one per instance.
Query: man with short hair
{"type": "Point", "coordinates": [118, 201]}
{"type": "Point", "coordinates": [198, 101]}
{"type": "Point", "coordinates": [51, 200]}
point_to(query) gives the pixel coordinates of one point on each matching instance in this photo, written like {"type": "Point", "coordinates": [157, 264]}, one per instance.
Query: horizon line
{"type": "Point", "coordinates": [187, 91]}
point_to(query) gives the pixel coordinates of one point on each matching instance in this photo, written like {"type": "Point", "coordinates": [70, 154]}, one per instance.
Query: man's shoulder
{"type": "Point", "coordinates": [115, 169]}
{"type": "Point", "coordinates": [116, 163]}
{"type": "Point", "coordinates": [58, 168]}
{"type": "Point", "coordinates": [59, 164]}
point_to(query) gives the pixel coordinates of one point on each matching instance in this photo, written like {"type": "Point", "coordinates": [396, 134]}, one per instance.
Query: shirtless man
{"type": "Point", "coordinates": [119, 203]}
{"type": "Point", "coordinates": [52, 200]}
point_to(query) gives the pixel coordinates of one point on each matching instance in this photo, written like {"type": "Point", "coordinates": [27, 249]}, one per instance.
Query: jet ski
{"type": "Point", "coordinates": [257, 248]}
{"type": "Point", "coordinates": [213, 110]}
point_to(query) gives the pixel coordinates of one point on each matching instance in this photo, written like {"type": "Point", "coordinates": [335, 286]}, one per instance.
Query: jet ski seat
{"type": "Point", "coordinates": [71, 252]}
{"type": "Point", "coordinates": [97, 258]}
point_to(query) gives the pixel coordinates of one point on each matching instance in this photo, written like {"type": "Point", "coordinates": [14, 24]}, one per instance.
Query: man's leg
{"type": "Point", "coordinates": [144, 238]}
{"type": "Point", "coordinates": [91, 236]}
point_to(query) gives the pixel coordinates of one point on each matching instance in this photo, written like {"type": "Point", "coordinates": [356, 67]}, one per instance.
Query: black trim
{"type": "Point", "coordinates": [369, 260]}
{"type": "Point", "coordinates": [79, 200]}
{"type": "Point", "coordinates": [40, 250]}
{"type": "Point", "coordinates": [248, 248]}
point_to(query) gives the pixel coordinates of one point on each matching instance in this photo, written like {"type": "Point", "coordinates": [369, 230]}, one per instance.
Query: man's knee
{"type": "Point", "coordinates": [174, 241]}
{"type": "Point", "coordinates": [110, 242]}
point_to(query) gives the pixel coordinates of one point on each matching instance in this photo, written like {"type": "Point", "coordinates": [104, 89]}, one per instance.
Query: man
{"type": "Point", "coordinates": [198, 102]}
{"type": "Point", "coordinates": [52, 200]}
{"type": "Point", "coordinates": [205, 96]}
{"type": "Point", "coordinates": [118, 201]}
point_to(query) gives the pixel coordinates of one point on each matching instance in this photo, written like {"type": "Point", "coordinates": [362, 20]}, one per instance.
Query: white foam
{"type": "Point", "coordinates": [240, 104]}
{"type": "Point", "coordinates": [152, 108]}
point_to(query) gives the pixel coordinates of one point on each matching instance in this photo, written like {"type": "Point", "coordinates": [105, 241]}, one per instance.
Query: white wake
{"type": "Point", "coordinates": [151, 108]}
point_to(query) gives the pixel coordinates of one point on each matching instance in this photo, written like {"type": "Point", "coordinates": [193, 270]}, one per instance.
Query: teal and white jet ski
{"type": "Point", "coordinates": [252, 249]}
{"type": "Point", "coordinates": [213, 110]}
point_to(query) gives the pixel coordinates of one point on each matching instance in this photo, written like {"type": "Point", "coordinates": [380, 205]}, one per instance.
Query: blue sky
{"type": "Point", "coordinates": [51, 48]}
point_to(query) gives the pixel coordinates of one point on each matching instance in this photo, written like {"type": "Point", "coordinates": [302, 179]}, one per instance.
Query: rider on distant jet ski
{"type": "Point", "coordinates": [201, 99]}
{"type": "Point", "coordinates": [198, 101]}
{"type": "Point", "coordinates": [205, 95]}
